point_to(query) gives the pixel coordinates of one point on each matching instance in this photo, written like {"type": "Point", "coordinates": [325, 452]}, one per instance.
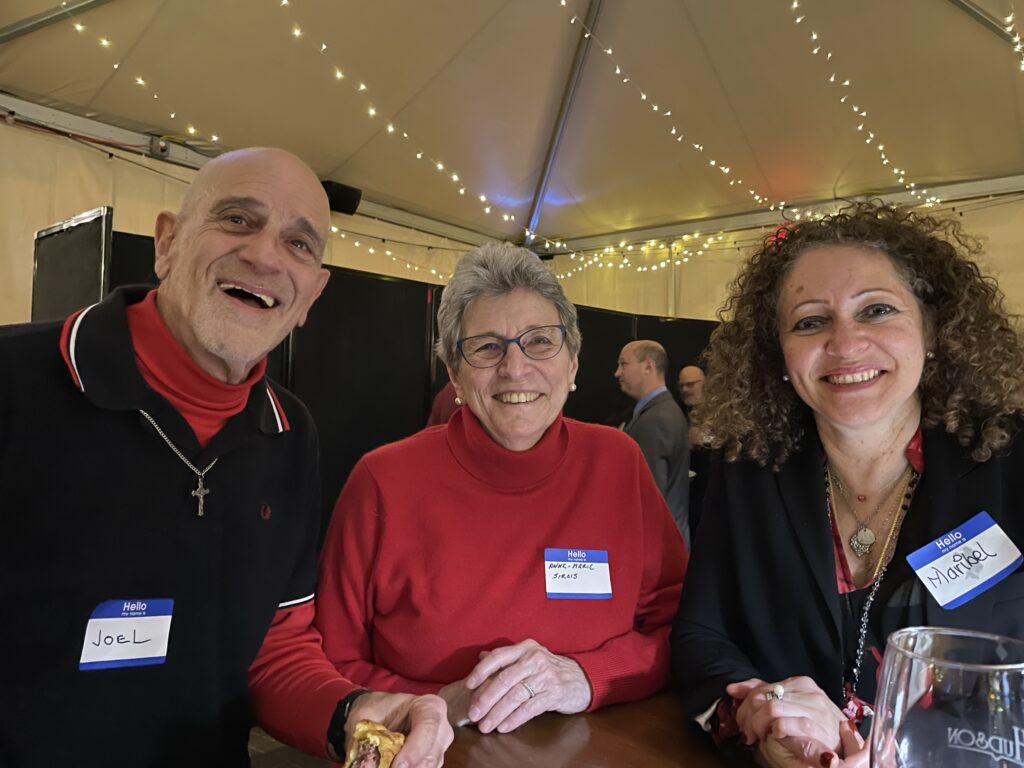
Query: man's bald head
{"type": "Point", "coordinates": [240, 264]}
{"type": "Point", "coordinates": [226, 170]}
{"type": "Point", "coordinates": [641, 367]}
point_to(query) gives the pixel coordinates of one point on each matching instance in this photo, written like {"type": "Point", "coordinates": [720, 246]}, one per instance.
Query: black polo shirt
{"type": "Point", "coordinates": [95, 507]}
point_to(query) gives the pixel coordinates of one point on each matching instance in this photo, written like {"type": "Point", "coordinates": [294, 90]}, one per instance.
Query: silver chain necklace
{"type": "Point", "coordinates": [201, 491]}
{"type": "Point", "coordinates": [862, 632]}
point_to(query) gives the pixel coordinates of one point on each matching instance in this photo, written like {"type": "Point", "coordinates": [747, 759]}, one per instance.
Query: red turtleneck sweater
{"type": "Point", "coordinates": [436, 552]}
{"type": "Point", "coordinates": [205, 402]}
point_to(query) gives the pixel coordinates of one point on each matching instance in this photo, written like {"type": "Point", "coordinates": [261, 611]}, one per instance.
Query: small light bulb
{"type": "Point", "coordinates": [362, 86]}
{"type": "Point", "coordinates": [338, 74]}
{"type": "Point", "coordinates": [79, 27]}
{"type": "Point", "coordinates": [440, 166]}
{"type": "Point", "coordinates": [372, 111]}
{"type": "Point", "coordinates": [215, 137]}
{"type": "Point", "coordinates": [139, 81]}
{"type": "Point", "coordinates": [104, 42]}
{"type": "Point", "coordinates": [296, 32]}
{"type": "Point", "coordinates": [191, 130]}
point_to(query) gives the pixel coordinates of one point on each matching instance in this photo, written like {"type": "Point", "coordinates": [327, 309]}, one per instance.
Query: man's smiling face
{"type": "Point", "coordinates": [239, 267]}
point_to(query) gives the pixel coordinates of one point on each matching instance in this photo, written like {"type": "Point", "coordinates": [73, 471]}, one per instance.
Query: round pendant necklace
{"type": "Point", "coordinates": [863, 538]}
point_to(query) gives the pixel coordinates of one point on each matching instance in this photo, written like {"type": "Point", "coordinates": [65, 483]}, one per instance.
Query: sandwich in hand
{"type": "Point", "coordinates": [373, 746]}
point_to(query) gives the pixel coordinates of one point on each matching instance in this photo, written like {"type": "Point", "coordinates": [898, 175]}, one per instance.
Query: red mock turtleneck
{"type": "Point", "coordinates": [206, 403]}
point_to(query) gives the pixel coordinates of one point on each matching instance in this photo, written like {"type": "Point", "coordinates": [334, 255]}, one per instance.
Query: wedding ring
{"type": "Point", "coordinates": [529, 690]}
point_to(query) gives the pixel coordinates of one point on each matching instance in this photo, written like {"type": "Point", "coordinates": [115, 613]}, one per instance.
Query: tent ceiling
{"type": "Point", "coordinates": [477, 85]}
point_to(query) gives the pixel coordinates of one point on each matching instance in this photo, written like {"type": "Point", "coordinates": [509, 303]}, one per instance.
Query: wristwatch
{"type": "Point", "coordinates": [336, 729]}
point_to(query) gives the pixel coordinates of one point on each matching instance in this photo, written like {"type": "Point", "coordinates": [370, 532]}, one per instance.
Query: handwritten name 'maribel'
{"type": "Point", "coordinates": [963, 564]}
{"type": "Point", "coordinates": [109, 638]}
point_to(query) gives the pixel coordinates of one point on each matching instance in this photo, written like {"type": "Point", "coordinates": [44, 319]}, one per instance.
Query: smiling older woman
{"type": "Point", "coordinates": [514, 561]}
{"type": "Point", "coordinates": [860, 350]}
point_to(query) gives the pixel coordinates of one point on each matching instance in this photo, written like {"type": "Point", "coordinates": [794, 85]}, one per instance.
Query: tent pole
{"type": "Point", "coordinates": [981, 16]}
{"type": "Point", "coordinates": [575, 75]}
{"type": "Point", "coordinates": [46, 18]}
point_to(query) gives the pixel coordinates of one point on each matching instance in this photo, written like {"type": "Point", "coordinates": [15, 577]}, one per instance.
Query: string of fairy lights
{"type": "Point", "coordinates": [641, 256]}
{"type": "Point", "coordinates": [342, 76]}
{"type": "Point", "coordinates": [657, 108]}
{"type": "Point", "coordinates": [1010, 23]}
{"type": "Point", "coordinates": [859, 112]}
{"type": "Point", "coordinates": [191, 135]}
{"type": "Point", "coordinates": [377, 245]}
{"type": "Point", "coordinates": [647, 252]}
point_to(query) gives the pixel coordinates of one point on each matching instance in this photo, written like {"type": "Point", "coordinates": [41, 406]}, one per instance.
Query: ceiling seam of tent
{"type": "Point", "coordinates": [799, 16]}
{"type": "Point", "coordinates": [437, 73]}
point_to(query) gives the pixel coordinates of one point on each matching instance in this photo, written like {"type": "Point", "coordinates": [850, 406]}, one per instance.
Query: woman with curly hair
{"type": "Point", "coordinates": [865, 389]}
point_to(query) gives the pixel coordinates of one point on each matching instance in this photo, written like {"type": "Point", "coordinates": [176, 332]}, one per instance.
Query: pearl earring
{"type": "Point", "coordinates": [929, 355]}
{"type": "Point", "coordinates": [458, 400]}
{"type": "Point", "coordinates": [572, 387]}
{"type": "Point", "coordinates": [785, 377]}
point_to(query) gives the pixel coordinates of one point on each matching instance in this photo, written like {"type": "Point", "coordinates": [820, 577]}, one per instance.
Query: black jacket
{"type": "Point", "coordinates": [760, 598]}
{"type": "Point", "coordinates": [94, 506]}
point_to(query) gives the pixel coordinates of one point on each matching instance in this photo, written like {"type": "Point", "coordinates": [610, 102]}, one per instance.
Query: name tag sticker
{"type": "Point", "coordinates": [127, 633]}
{"type": "Point", "coordinates": [577, 574]}
{"type": "Point", "coordinates": [965, 562]}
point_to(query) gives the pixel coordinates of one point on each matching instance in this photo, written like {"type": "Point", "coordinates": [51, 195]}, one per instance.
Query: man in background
{"type": "Point", "coordinates": [657, 424]}
{"type": "Point", "coordinates": [160, 504]}
{"type": "Point", "coordinates": [691, 385]}
{"type": "Point", "coordinates": [691, 392]}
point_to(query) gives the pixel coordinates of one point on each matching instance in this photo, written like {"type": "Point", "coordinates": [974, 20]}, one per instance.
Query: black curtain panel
{"type": "Point", "coordinates": [597, 397]}
{"type": "Point", "coordinates": [360, 365]}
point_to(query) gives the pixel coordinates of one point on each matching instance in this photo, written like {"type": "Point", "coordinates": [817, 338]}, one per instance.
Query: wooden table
{"type": "Point", "coordinates": [645, 734]}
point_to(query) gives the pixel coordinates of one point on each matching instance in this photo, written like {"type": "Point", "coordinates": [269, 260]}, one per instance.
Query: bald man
{"type": "Point", "coordinates": [160, 504]}
{"type": "Point", "coordinates": [657, 424]}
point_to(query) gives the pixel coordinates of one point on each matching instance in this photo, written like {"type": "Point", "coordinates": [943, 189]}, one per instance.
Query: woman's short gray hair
{"type": "Point", "coordinates": [495, 269]}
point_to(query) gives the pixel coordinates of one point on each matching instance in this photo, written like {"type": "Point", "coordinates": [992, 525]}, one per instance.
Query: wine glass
{"type": "Point", "coordinates": [949, 698]}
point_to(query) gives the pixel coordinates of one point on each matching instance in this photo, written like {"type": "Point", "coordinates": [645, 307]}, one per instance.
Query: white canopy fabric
{"type": "Point", "coordinates": [918, 86]}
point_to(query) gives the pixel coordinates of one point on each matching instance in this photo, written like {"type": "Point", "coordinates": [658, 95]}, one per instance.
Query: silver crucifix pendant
{"type": "Point", "coordinates": [200, 493]}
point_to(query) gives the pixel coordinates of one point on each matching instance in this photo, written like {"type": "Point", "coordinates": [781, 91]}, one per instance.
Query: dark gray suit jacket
{"type": "Point", "coordinates": [662, 432]}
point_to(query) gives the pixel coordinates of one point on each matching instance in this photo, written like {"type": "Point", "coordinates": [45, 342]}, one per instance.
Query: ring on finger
{"type": "Point", "coordinates": [529, 690]}
{"type": "Point", "coordinates": [776, 693]}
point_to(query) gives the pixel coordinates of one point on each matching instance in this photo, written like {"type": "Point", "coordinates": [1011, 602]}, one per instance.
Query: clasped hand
{"type": "Point", "coordinates": [802, 728]}
{"type": "Point", "coordinates": [513, 684]}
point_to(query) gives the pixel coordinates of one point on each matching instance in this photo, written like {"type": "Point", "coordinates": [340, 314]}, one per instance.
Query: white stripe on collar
{"type": "Point", "coordinates": [273, 406]}
{"type": "Point", "coordinates": [305, 599]}
{"type": "Point", "coordinates": [71, 346]}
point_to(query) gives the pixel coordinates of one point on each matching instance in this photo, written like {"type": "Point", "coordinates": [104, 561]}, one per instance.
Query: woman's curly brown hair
{"type": "Point", "coordinates": [973, 386]}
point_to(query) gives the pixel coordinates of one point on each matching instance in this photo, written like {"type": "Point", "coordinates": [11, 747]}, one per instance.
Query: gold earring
{"type": "Point", "coordinates": [458, 400]}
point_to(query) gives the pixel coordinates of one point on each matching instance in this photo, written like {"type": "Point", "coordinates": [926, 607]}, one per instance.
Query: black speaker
{"type": "Point", "coordinates": [343, 198]}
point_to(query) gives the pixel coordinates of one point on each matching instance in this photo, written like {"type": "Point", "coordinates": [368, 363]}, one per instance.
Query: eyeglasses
{"type": "Point", "coordinates": [487, 351]}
